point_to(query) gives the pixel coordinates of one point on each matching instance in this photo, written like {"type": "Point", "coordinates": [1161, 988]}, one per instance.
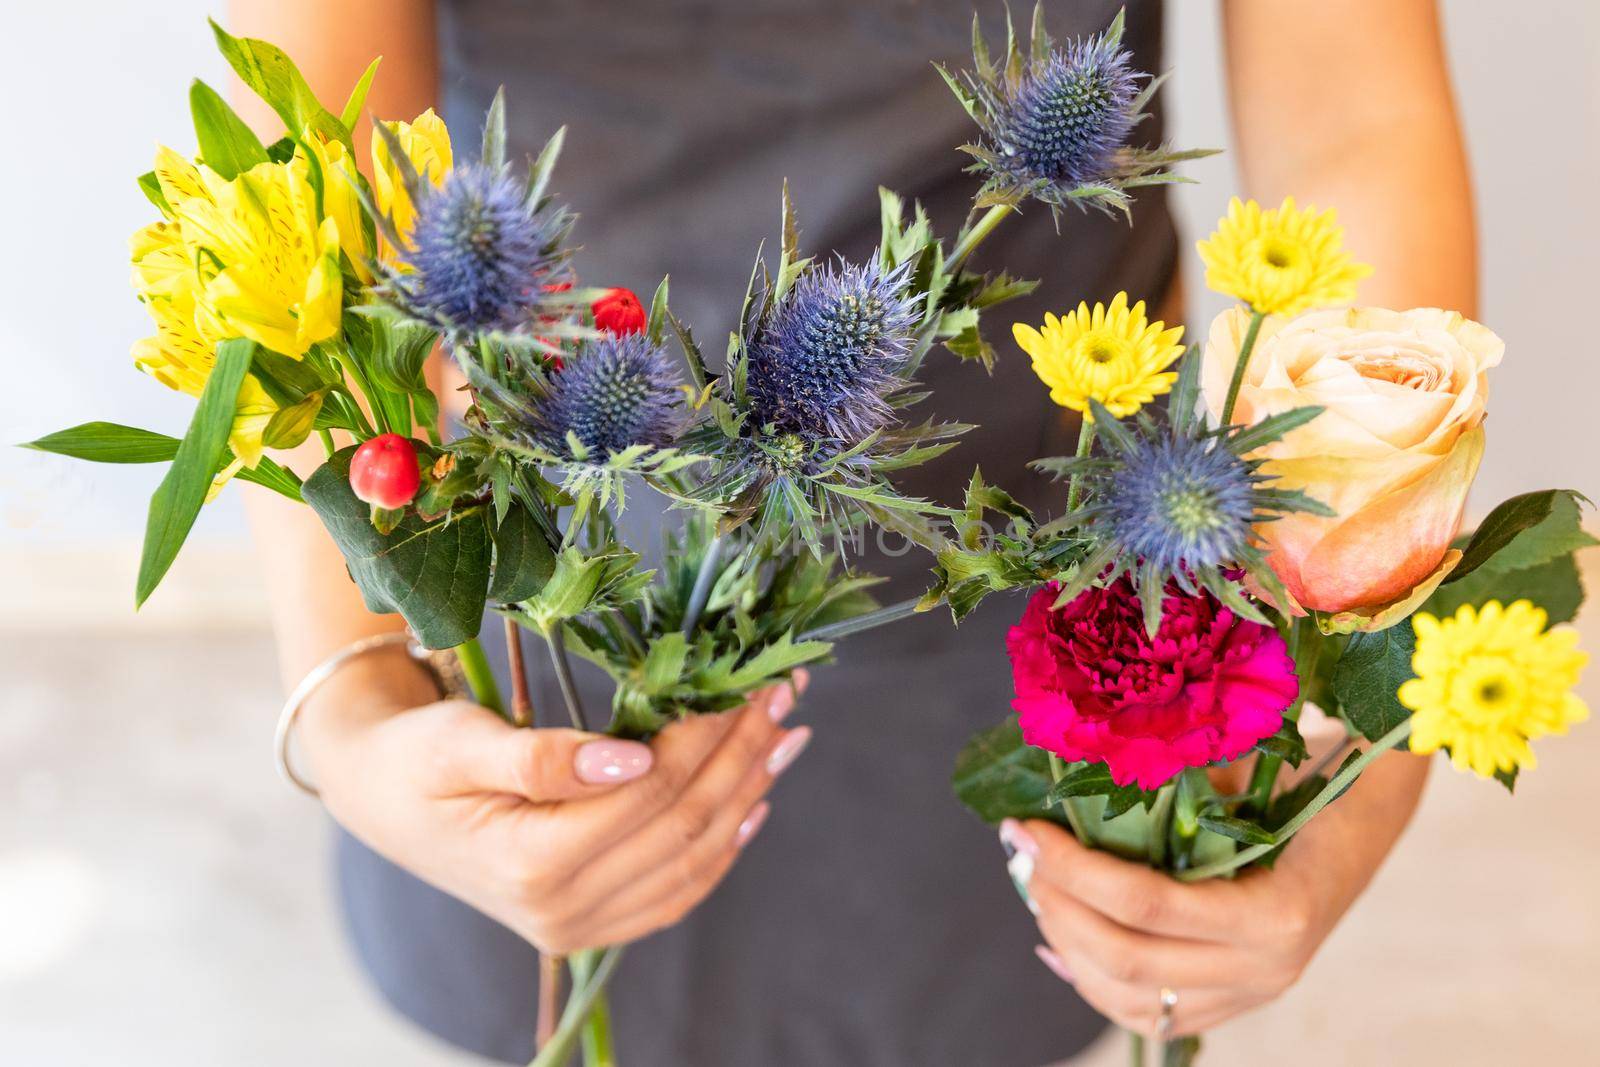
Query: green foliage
{"type": "Point", "coordinates": [110, 442]}
{"type": "Point", "coordinates": [523, 558]}
{"type": "Point", "coordinates": [999, 776]}
{"type": "Point", "coordinates": [750, 633]}
{"type": "Point", "coordinates": [272, 75]}
{"type": "Point", "coordinates": [435, 573]}
{"type": "Point", "coordinates": [1241, 830]}
{"type": "Point", "coordinates": [1534, 528]}
{"type": "Point", "coordinates": [227, 145]}
{"type": "Point", "coordinates": [199, 456]}
{"type": "Point", "coordinates": [1367, 676]}
{"type": "Point", "coordinates": [1536, 536]}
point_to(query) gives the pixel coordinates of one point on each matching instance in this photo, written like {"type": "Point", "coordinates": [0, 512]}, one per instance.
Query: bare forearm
{"type": "Point", "coordinates": [1350, 106]}
{"type": "Point", "coordinates": [316, 608]}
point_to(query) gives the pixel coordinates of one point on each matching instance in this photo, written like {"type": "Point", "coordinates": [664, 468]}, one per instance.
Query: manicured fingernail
{"type": "Point", "coordinates": [1015, 837]}
{"type": "Point", "coordinates": [751, 824]}
{"type": "Point", "coordinates": [793, 743]}
{"type": "Point", "coordinates": [780, 703]}
{"type": "Point", "coordinates": [1052, 961]}
{"type": "Point", "coordinates": [800, 679]}
{"type": "Point", "coordinates": [611, 760]}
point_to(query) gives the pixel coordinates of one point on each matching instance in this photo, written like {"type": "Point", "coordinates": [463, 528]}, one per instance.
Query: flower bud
{"type": "Point", "coordinates": [384, 471]}
{"type": "Point", "coordinates": [619, 312]}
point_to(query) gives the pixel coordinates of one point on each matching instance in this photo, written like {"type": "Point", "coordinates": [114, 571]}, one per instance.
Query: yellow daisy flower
{"type": "Point", "coordinates": [1110, 354]}
{"type": "Point", "coordinates": [1489, 681]}
{"type": "Point", "coordinates": [1280, 261]}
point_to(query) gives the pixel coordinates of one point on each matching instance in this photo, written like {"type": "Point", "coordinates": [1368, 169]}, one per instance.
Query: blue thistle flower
{"type": "Point", "coordinates": [1057, 120]}
{"type": "Point", "coordinates": [1180, 502]}
{"type": "Point", "coordinates": [479, 253]}
{"type": "Point", "coordinates": [830, 352]}
{"type": "Point", "coordinates": [611, 394]}
{"type": "Point", "coordinates": [1069, 116]}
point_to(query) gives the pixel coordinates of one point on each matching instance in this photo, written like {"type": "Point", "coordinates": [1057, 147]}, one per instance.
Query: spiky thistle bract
{"type": "Point", "coordinates": [1170, 500]}
{"type": "Point", "coordinates": [1056, 120]}
{"type": "Point", "coordinates": [807, 421]}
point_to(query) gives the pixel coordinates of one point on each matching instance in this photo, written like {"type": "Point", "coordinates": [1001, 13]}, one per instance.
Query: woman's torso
{"type": "Point", "coordinates": [872, 922]}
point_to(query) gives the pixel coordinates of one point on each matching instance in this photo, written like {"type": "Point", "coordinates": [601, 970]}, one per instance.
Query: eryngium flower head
{"type": "Point", "coordinates": [830, 352]}
{"type": "Point", "coordinates": [1069, 116]}
{"type": "Point", "coordinates": [479, 253]}
{"type": "Point", "coordinates": [1180, 502]}
{"type": "Point", "coordinates": [1057, 120]}
{"type": "Point", "coordinates": [611, 394]}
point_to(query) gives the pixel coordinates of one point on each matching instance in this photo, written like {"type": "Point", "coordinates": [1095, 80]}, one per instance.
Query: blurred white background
{"type": "Point", "coordinates": [194, 926]}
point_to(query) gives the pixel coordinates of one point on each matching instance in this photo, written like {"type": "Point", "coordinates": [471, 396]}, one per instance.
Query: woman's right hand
{"type": "Point", "coordinates": [573, 840]}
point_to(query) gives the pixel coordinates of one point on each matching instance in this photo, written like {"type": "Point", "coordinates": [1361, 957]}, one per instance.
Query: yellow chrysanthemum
{"type": "Point", "coordinates": [1280, 261]}
{"type": "Point", "coordinates": [1110, 354]}
{"type": "Point", "coordinates": [426, 142]}
{"type": "Point", "coordinates": [1490, 681]}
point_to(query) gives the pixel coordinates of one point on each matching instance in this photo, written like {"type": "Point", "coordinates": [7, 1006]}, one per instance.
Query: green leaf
{"type": "Point", "coordinates": [1286, 744]}
{"type": "Point", "coordinates": [434, 573]}
{"type": "Point", "coordinates": [1367, 676]}
{"type": "Point", "coordinates": [358, 96]}
{"type": "Point", "coordinates": [110, 442]}
{"type": "Point", "coordinates": [998, 776]}
{"type": "Point", "coordinates": [272, 75]}
{"type": "Point", "coordinates": [523, 558]}
{"type": "Point", "coordinates": [227, 145]}
{"type": "Point", "coordinates": [1505, 525]}
{"type": "Point", "coordinates": [152, 191]}
{"type": "Point", "coordinates": [199, 456]}
{"type": "Point", "coordinates": [1556, 586]}
{"type": "Point", "coordinates": [663, 664]}
{"type": "Point", "coordinates": [1238, 829]}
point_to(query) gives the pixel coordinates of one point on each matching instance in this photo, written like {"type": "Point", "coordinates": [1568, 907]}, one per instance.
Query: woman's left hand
{"type": "Point", "coordinates": [1121, 932]}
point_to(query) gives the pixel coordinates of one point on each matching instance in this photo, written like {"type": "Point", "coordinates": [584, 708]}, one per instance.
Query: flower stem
{"type": "Point", "coordinates": [975, 236]}
{"type": "Point", "coordinates": [475, 665]}
{"type": "Point", "coordinates": [1239, 367]}
{"type": "Point", "coordinates": [521, 702]}
{"type": "Point", "coordinates": [556, 641]}
{"type": "Point", "coordinates": [845, 627]}
{"type": "Point", "coordinates": [702, 586]}
{"type": "Point", "coordinates": [1085, 443]}
{"type": "Point", "coordinates": [558, 1050]}
{"type": "Point", "coordinates": [1135, 1049]}
{"type": "Point", "coordinates": [1329, 794]}
{"type": "Point", "coordinates": [1304, 647]}
{"type": "Point", "coordinates": [1074, 816]}
{"type": "Point", "coordinates": [550, 968]}
{"type": "Point", "coordinates": [598, 1050]}
{"type": "Point", "coordinates": [328, 448]}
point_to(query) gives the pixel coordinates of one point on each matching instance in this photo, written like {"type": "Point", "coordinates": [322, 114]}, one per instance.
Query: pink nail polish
{"type": "Point", "coordinates": [793, 743]}
{"type": "Point", "coordinates": [1052, 961]}
{"type": "Point", "coordinates": [781, 702]}
{"type": "Point", "coordinates": [610, 760]}
{"type": "Point", "coordinates": [1012, 833]}
{"type": "Point", "coordinates": [751, 824]}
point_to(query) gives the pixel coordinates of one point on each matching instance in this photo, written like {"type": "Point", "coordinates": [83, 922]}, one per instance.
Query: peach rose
{"type": "Point", "coordinates": [1393, 452]}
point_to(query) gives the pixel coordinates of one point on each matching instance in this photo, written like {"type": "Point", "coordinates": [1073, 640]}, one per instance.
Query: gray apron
{"type": "Point", "coordinates": [872, 922]}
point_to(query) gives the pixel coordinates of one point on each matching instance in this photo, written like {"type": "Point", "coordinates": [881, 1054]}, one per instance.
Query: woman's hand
{"type": "Point", "coordinates": [1120, 932]}
{"type": "Point", "coordinates": [573, 840]}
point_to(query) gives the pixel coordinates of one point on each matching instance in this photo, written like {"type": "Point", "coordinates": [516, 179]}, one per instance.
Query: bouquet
{"type": "Point", "coordinates": [1283, 535]}
{"type": "Point", "coordinates": [294, 297]}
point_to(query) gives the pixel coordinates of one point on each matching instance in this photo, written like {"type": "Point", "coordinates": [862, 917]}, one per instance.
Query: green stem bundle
{"type": "Point", "coordinates": [1328, 795]}
{"type": "Point", "coordinates": [597, 968]}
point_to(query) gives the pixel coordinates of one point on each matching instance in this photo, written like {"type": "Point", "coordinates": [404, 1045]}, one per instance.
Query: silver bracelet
{"type": "Point", "coordinates": [327, 669]}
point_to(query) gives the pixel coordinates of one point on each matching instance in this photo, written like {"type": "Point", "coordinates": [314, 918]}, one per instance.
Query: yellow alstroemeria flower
{"type": "Point", "coordinates": [269, 265]}
{"type": "Point", "coordinates": [1110, 354]}
{"type": "Point", "coordinates": [340, 201]}
{"type": "Point", "coordinates": [426, 142]}
{"type": "Point", "coordinates": [1280, 261]}
{"type": "Point", "coordinates": [1489, 681]}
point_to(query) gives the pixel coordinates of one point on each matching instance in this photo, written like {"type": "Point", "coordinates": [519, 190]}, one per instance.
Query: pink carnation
{"type": "Point", "coordinates": [1091, 685]}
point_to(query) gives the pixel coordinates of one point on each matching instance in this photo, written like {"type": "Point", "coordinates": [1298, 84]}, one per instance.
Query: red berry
{"type": "Point", "coordinates": [619, 312]}
{"type": "Point", "coordinates": [384, 471]}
